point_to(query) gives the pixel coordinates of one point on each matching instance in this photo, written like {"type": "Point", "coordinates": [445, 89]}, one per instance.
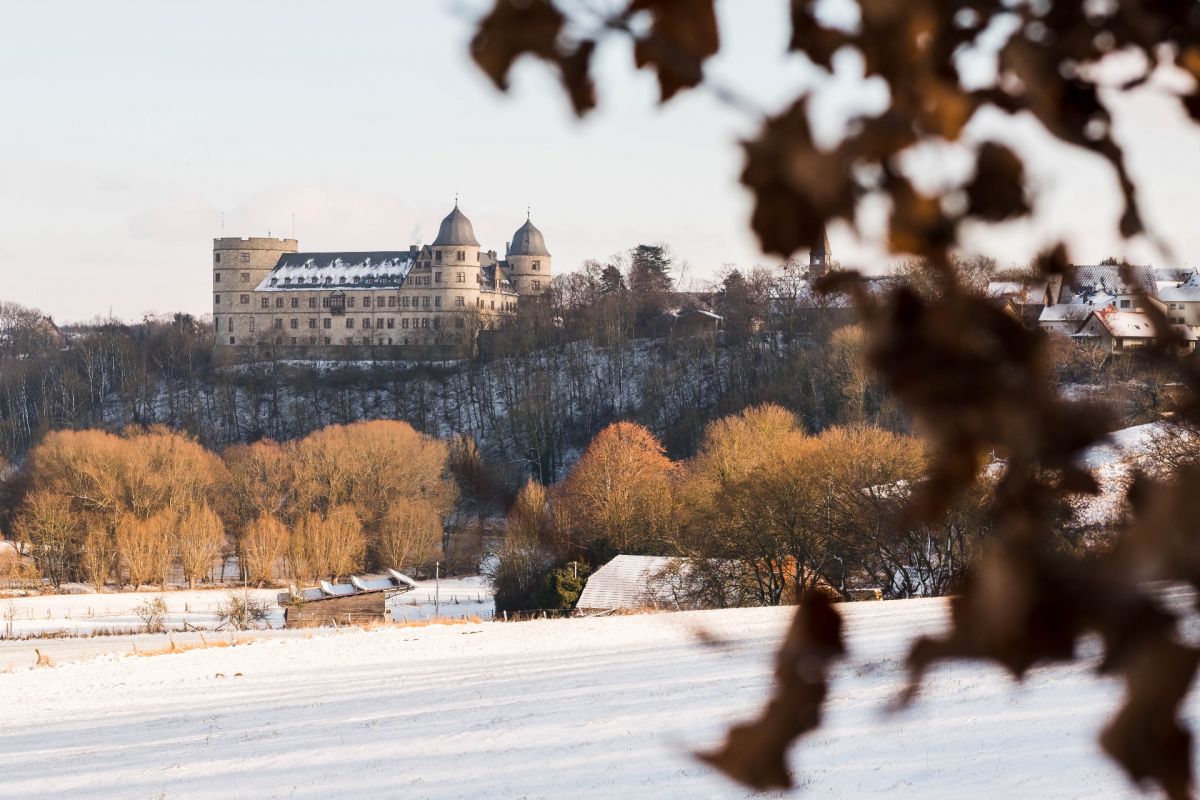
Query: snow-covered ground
{"type": "Point", "coordinates": [82, 614]}
{"type": "Point", "coordinates": [582, 708]}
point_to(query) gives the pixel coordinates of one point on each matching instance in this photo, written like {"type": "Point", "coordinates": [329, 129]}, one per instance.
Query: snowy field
{"type": "Point", "coordinates": [583, 708]}
{"type": "Point", "coordinates": [83, 614]}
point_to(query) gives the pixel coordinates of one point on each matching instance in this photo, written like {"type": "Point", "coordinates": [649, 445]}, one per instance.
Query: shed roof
{"type": "Point", "coordinates": [628, 582]}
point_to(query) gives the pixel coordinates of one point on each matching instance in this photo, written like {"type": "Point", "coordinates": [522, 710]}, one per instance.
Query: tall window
{"type": "Point", "coordinates": [216, 258]}
{"type": "Point", "coordinates": [217, 277]}
{"type": "Point", "coordinates": [537, 285]}
{"type": "Point", "coordinates": [460, 277]}
{"type": "Point", "coordinates": [460, 302]}
{"type": "Point", "coordinates": [326, 323]}
{"type": "Point", "coordinates": [437, 277]}
{"type": "Point", "coordinates": [462, 255]}
{"type": "Point", "coordinates": [295, 302]}
{"type": "Point", "coordinates": [349, 322]}
{"type": "Point", "coordinates": [366, 322]}
{"type": "Point", "coordinates": [437, 301]}
{"type": "Point", "coordinates": [279, 302]}
{"type": "Point", "coordinates": [251, 324]}
{"type": "Point", "coordinates": [537, 265]}
{"type": "Point", "coordinates": [425, 301]}
{"type": "Point", "coordinates": [216, 299]}
{"type": "Point", "coordinates": [437, 256]}
{"type": "Point", "coordinates": [245, 300]}
{"type": "Point", "coordinates": [312, 322]}
{"type": "Point", "coordinates": [312, 302]}
{"type": "Point", "coordinates": [294, 323]}
{"type": "Point", "coordinates": [278, 323]}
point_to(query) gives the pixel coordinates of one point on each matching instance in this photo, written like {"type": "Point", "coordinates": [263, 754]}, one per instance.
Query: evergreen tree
{"type": "Point", "coordinates": [650, 280]}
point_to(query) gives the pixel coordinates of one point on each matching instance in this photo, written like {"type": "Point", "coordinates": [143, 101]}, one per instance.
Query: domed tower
{"type": "Point", "coordinates": [528, 261]}
{"type": "Point", "coordinates": [456, 257]}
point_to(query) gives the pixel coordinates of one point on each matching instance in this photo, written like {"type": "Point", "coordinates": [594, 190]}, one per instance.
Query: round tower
{"type": "Point", "coordinates": [528, 261]}
{"type": "Point", "coordinates": [456, 257]}
{"type": "Point", "coordinates": [239, 265]}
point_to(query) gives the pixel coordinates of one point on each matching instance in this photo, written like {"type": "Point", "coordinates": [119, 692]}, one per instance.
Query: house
{"type": "Point", "coordinates": [363, 599]}
{"type": "Point", "coordinates": [632, 583]}
{"type": "Point", "coordinates": [687, 322]}
{"type": "Point", "coordinates": [1063, 318]}
{"type": "Point", "coordinates": [1183, 304]}
{"type": "Point", "coordinates": [1114, 331]}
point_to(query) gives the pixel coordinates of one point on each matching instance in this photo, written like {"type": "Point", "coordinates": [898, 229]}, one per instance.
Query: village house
{"type": "Point", "coordinates": [1115, 331]}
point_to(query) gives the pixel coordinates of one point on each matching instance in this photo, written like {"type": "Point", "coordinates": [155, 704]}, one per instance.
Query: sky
{"type": "Point", "coordinates": [135, 131]}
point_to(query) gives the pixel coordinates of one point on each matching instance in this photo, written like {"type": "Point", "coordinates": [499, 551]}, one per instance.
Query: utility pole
{"type": "Point", "coordinates": [437, 589]}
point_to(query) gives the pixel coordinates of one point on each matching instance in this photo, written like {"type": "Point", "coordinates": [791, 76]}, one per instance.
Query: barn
{"type": "Point", "coordinates": [363, 599]}
{"type": "Point", "coordinates": [632, 583]}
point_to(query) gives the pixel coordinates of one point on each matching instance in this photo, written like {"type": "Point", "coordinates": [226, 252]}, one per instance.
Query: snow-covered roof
{"type": "Point", "coordinates": [393, 581]}
{"type": "Point", "coordinates": [1132, 325]}
{"type": "Point", "coordinates": [384, 269]}
{"type": "Point", "coordinates": [1108, 278]}
{"type": "Point", "coordinates": [1187, 293]}
{"type": "Point", "coordinates": [627, 582]}
{"type": "Point", "coordinates": [1065, 312]}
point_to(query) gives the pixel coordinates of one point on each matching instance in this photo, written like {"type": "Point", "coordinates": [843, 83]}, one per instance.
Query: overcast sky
{"type": "Point", "coordinates": [130, 126]}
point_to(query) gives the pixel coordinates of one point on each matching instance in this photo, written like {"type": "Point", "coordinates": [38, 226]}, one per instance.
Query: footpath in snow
{"type": "Point", "coordinates": [582, 708]}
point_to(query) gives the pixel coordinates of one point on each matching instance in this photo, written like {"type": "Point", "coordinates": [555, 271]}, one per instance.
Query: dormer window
{"type": "Point", "coordinates": [287, 281]}
{"type": "Point", "coordinates": [274, 281]}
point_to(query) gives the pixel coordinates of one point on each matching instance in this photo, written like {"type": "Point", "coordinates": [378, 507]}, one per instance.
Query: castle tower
{"type": "Point", "coordinates": [239, 265]}
{"type": "Point", "coordinates": [456, 257]}
{"type": "Point", "coordinates": [528, 261]}
{"type": "Point", "coordinates": [819, 257]}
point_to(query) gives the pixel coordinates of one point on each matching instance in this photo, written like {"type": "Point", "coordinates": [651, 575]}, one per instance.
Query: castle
{"type": "Point", "coordinates": [428, 300]}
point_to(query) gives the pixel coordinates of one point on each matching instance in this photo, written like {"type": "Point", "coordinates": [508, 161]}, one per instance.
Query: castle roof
{"type": "Point", "coordinates": [456, 229]}
{"type": "Point", "coordinates": [378, 270]}
{"type": "Point", "coordinates": [528, 241]}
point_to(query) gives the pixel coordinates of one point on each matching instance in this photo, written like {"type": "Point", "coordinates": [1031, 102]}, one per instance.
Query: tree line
{"type": "Point", "coordinates": [763, 512]}
{"type": "Point", "coordinates": [137, 507]}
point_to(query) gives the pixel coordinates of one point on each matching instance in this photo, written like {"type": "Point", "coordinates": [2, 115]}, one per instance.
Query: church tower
{"type": "Point", "coordinates": [528, 261]}
{"type": "Point", "coordinates": [819, 257]}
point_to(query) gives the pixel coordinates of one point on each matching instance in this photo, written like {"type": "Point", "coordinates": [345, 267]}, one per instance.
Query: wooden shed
{"type": "Point", "coordinates": [363, 599]}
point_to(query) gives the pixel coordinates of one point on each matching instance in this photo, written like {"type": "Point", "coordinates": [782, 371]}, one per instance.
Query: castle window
{"type": "Point", "coordinates": [493, 305]}
{"type": "Point", "coordinates": [437, 277]}
{"type": "Point", "coordinates": [274, 281]}
{"type": "Point", "coordinates": [462, 255]}
{"type": "Point", "coordinates": [264, 302]}
{"type": "Point", "coordinates": [437, 301]}
{"type": "Point", "coordinates": [232, 340]}
{"type": "Point", "coordinates": [367, 301]}
{"type": "Point", "coordinates": [293, 340]}
{"type": "Point", "coordinates": [404, 302]}
{"type": "Point", "coordinates": [294, 323]}
{"type": "Point", "coordinates": [312, 302]}
{"type": "Point", "coordinates": [367, 322]}
{"type": "Point", "coordinates": [251, 324]}
{"type": "Point", "coordinates": [350, 301]}
{"type": "Point", "coordinates": [404, 323]}
{"type": "Point", "coordinates": [537, 285]}
{"type": "Point", "coordinates": [436, 320]}
{"type": "Point", "coordinates": [216, 299]}
{"type": "Point", "coordinates": [245, 299]}
{"type": "Point", "coordinates": [391, 323]}
{"type": "Point", "coordinates": [295, 302]}
{"type": "Point", "coordinates": [437, 256]}
{"type": "Point", "coordinates": [391, 301]}
{"type": "Point", "coordinates": [326, 338]}
{"type": "Point", "coordinates": [287, 281]}
{"type": "Point", "coordinates": [425, 301]}
{"type": "Point", "coordinates": [312, 322]}
{"type": "Point", "coordinates": [460, 302]}
{"type": "Point", "coordinates": [217, 278]}
{"type": "Point", "coordinates": [349, 322]}
{"type": "Point", "coordinates": [537, 265]}
{"type": "Point", "coordinates": [278, 323]}
{"type": "Point", "coordinates": [279, 302]}
{"type": "Point", "coordinates": [216, 258]}
{"type": "Point", "coordinates": [328, 279]}
{"type": "Point", "coordinates": [326, 323]}
{"type": "Point", "coordinates": [245, 258]}
{"type": "Point", "coordinates": [460, 277]}
{"type": "Point", "coordinates": [425, 322]}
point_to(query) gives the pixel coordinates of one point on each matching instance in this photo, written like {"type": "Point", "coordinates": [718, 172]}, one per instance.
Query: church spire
{"type": "Point", "coordinates": [820, 256]}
